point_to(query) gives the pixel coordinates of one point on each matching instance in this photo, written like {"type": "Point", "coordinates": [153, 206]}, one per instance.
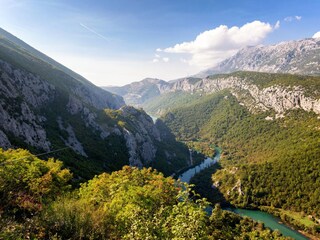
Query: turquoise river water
{"type": "Point", "coordinates": [269, 220]}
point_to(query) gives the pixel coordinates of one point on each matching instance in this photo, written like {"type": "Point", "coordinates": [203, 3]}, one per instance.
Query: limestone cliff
{"type": "Point", "coordinates": [278, 97]}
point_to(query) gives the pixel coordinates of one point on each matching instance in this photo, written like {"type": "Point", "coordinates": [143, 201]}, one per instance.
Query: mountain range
{"type": "Point", "coordinates": [45, 107]}
{"type": "Point", "coordinates": [293, 57]}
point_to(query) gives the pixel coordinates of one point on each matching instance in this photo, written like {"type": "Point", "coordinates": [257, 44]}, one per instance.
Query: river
{"type": "Point", "coordinates": [188, 174]}
{"type": "Point", "coordinates": [269, 220]}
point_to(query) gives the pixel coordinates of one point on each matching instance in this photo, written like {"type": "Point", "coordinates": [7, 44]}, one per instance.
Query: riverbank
{"type": "Point", "coordinates": [203, 186]}
{"type": "Point", "coordinates": [270, 221]}
{"type": "Point", "coordinates": [215, 156]}
{"type": "Point", "coordinates": [306, 225]}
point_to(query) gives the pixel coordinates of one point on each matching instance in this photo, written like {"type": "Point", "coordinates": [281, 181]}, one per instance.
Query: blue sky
{"type": "Point", "coordinates": [114, 42]}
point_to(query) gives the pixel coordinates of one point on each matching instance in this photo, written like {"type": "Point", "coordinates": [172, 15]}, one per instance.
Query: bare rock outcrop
{"type": "Point", "coordinates": [141, 142]}
{"type": "Point", "coordinates": [71, 141]}
{"type": "Point", "coordinates": [26, 92]}
{"type": "Point", "coordinates": [4, 141]}
{"type": "Point", "coordinates": [276, 97]}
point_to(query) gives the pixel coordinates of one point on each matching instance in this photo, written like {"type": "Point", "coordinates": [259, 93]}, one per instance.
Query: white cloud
{"type": "Point", "coordinates": [277, 25]}
{"type": "Point", "coordinates": [316, 35]}
{"type": "Point", "coordinates": [165, 59]}
{"type": "Point", "coordinates": [158, 50]}
{"type": "Point", "coordinates": [155, 60]}
{"type": "Point", "coordinates": [292, 18]}
{"type": "Point", "coordinates": [215, 45]}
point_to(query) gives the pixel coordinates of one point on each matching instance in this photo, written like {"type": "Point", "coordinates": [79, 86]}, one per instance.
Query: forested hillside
{"type": "Point", "coordinates": [267, 161]}
{"type": "Point", "coordinates": [37, 202]}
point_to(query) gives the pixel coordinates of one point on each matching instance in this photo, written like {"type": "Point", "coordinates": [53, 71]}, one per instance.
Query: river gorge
{"type": "Point", "coordinates": [267, 219]}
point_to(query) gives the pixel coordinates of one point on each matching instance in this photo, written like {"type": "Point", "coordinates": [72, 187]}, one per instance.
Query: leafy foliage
{"type": "Point", "coordinates": [26, 182]}
{"type": "Point", "coordinates": [126, 204]}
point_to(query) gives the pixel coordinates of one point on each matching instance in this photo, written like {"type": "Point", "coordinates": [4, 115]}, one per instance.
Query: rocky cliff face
{"type": "Point", "coordinates": [21, 93]}
{"type": "Point", "coordinates": [140, 143]}
{"type": "Point", "coordinates": [147, 142]}
{"type": "Point", "coordinates": [44, 107]}
{"type": "Point", "coordinates": [26, 106]}
{"type": "Point", "coordinates": [296, 57]}
{"type": "Point", "coordinates": [23, 114]}
{"type": "Point", "coordinates": [279, 97]}
{"type": "Point", "coordinates": [256, 98]}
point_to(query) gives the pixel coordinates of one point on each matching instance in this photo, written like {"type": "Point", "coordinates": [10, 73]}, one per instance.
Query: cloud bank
{"type": "Point", "coordinates": [215, 45]}
{"type": "Point", "coordinates": [316, 35]}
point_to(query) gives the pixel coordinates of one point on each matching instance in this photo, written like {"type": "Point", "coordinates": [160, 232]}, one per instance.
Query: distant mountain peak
{"type": "Point", "coordinates": [296, 57]}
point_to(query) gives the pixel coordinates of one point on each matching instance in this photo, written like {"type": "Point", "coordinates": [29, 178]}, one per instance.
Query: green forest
{"type": "Point", "coordinates": [275, 163]}
{"type": "Point", "coordinates": [37, 201]}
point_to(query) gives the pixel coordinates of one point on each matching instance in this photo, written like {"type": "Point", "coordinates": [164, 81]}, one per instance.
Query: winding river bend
{"type": "Point", "coordinates": [269, 220]}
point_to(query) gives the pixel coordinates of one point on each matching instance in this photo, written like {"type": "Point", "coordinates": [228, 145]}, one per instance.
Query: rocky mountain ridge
{"type": "Point", "coordinates": [295, 57]}
{"type": "Point", "coordinates": [278, 98]}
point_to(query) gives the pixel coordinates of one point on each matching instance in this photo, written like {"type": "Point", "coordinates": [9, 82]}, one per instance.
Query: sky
{"type": "Point", "coordinates": [115, 42]}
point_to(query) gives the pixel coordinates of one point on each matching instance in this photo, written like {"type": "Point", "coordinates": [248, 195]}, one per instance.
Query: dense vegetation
{"type": "Point", "coordinates": [202, 183]}
{"type": "Point", "coordinates": [26, 182]}
{"type": "Point", "coordinates": [36, 202]}
{"type": "Point", "coordinates": [275, 163]}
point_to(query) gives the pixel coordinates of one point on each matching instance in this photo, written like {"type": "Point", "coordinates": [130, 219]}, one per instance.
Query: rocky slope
{"type": "Point", "coordinates": [278, 92]}
{"type": "Point", "coordinates": [257, 91]}
{"type": "Point", "coordinates": [296, 57]}
{"type": "Point", "coordinates": [44, 107]}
